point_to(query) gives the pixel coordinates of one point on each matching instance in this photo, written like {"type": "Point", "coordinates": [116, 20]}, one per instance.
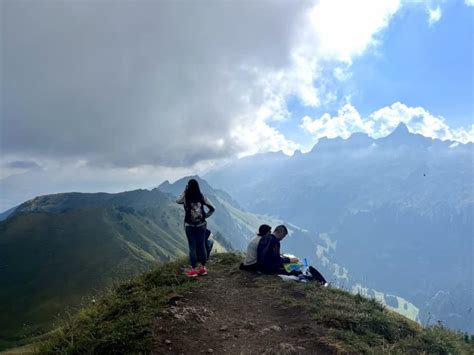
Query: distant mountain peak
{"type": "Point", "coordinates": [354, 141]}
{"type": "Point", "coordinates": [400, 131]}
{"type": "Point", "coordinates": [179, 185]}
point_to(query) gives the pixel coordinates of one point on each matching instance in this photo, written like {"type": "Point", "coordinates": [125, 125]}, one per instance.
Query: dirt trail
{"type": "Point", "coordinates": [237, 312]}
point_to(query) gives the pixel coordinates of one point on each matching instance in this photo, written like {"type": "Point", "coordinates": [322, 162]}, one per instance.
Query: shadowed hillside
{"type": "Point", "coordinates": [52, 261]}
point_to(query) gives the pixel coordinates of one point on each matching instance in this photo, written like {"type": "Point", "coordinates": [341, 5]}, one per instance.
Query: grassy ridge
{"type": "Point", "coordinates": [358, 324]}
{"type": "Point", "coordinates": [122, 320]}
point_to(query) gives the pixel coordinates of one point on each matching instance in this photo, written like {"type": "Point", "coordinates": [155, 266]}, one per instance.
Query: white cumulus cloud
{"type": "Point", "coordinates": [434, 15]}
{"type": "Point", "coordinates": [346, 28]}
{"type": "Point", "coordinates": [383, 121]}
{"type": "Point", "coordinates": [346, 122]}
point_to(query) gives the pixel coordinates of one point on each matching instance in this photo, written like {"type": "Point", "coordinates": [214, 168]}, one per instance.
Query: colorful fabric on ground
{"type": "Point", "coordinates": [293, 267]}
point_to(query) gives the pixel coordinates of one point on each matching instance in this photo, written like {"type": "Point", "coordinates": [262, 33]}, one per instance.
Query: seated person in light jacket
{"type": "Point", "coordinates": [250, 262]}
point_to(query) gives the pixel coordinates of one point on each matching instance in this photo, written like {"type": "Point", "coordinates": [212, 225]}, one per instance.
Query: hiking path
{"type": "Point", "coordinates": [237, 312]}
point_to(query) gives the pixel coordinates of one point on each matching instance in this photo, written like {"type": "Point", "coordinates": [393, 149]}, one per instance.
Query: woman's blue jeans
{"type": "Point", "coordinates": [197, 244]}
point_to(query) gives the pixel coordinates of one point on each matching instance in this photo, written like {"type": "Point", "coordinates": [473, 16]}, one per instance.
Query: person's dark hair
{"type": "Point", "coordinates": [282, 228]}
{"type": "Point", "coordinates": [192, 193]}
{"type": "Point", "coordinates": [264, 229]}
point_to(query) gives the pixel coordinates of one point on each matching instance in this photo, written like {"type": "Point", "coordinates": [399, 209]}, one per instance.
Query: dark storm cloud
{"type": "Point", "coordinates": [22, 164]}
{"type": "Point", "coordinates": [129, 83]}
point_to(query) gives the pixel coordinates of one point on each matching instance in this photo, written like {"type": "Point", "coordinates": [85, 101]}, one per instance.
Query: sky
{"type": "Point", "coordinates": [112, 96]}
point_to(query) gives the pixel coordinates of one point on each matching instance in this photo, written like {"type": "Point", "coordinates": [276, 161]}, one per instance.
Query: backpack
{"type": "Point", "coordinates": [194, 212]}
{"type": "Point", "coordinates": [209, 243]}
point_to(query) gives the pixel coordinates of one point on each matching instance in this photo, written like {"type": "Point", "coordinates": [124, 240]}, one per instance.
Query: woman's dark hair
{"type": "Point", "coordinates": [193, 193]}
{"type": "Point", "coordinates": [264, 229]}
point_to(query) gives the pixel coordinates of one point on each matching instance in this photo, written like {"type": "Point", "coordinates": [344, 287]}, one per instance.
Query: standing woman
{"type": "Point", "coordinates": [195, 225]}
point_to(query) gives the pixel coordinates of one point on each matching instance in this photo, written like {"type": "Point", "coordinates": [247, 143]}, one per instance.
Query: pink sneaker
{"type": "Point", "coordinates": [202, 270]}
{"type": "Point", "coordinates": [192, 272]}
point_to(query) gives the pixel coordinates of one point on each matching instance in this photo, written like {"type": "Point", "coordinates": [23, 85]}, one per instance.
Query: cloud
{"type": "Point", "coordinates": [343, 125]}
{"type": "Point", "coordinates": [382, 122]}
{"type": "Point", "coordinates": [22, 164]}
{"type": "Point", "coordinates": [169, 83]}
{"type": "Point", "coordinates": [342, 73]}
{"type": "Point", "coordinates": [133, 83]}
{"type": "Point", "coordinates": [347, 28]}
{"type": "Point", "coordinates": [332, 34]}
{"type": "Point", "coordinates": [469, 2]}
{"type": "Point", "coordinates": [13, 167]}
{"type": "Point", "coordinates": [434, 15]}
{"type": "Point", "coordinates": [21, 185]}
{"type": "Point", "coordinates": [264, 139]}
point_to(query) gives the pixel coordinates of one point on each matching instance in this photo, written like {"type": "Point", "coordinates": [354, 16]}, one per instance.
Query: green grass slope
{"type": "Point", "coordinates": [51, 261]}
{"type": "Point", "coordinates": [122, 319]}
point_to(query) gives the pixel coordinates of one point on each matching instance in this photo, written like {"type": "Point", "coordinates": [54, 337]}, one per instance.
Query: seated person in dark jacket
{"type": "Point", "coordinates": [269, 260]}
